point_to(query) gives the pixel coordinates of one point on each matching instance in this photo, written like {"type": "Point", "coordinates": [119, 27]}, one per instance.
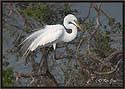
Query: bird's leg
{"type": "Point", "coordinates": [54, 61]}
{"type": "Point", "coordinates": [55, 54]}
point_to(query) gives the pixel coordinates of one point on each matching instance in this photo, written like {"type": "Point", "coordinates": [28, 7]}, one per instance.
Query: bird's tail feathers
{"type": "Point", "coordinates": [26, 44]}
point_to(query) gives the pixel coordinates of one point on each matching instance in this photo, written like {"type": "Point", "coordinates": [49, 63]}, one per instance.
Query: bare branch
{"type": "Point", "coordinates": [99, 10]}
{"type": "Point", "coordinates": [114, 54]}
{"type": "Point", "coordinates": [90, 7]}
{"type": "Point", "coordinates": [113, 70]}
{"type": "Point", "coordinates": [97, 22]}
{"type": "Point", "coordinates": [77, 49]}
{"type": "Point", "coordinates": [19, 75]}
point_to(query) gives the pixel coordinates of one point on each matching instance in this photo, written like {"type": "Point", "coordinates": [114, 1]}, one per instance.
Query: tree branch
{"type": "Point", "coordinates": [113, 70]}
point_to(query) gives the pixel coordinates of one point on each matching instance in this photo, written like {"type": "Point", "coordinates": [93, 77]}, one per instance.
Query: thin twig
{"type": "Point", "coordinates": [97, 24]}
{"type": "Point", "coordinates": [19, 75]}
{"type": "Point", "coordinates": [112, 55]}
{"type": "Point", "coordinates": [99, 10]}
{"type": "Point", "coordinates": [113, 70]}
{"type": "Point", "coordinates": [77, 49]}
{"type": "Point", "coordinates": [90, 7]}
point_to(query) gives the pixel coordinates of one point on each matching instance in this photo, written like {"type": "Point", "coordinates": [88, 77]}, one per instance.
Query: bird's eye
{"type": "Point", "coordinates": [70, 23]}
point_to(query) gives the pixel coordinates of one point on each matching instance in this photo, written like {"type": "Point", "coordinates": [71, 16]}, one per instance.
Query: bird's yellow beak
{"type": "Point", "coordinates": [78, 25]}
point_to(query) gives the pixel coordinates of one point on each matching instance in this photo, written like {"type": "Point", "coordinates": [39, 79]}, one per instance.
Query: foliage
{"type": "Point", "coordinates": [102, 45]}
{"type": "Point", "coordinates": [43, 12]}
{"type": "Point", "coordinates": [111, 21]}
{"type": "Point", "coordinates": [8, 77]}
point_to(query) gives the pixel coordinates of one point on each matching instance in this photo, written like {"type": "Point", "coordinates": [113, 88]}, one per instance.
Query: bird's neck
{"type": "Point", "coordinates": [69, 36]}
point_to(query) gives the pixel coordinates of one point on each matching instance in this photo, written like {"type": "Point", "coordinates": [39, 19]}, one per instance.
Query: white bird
{"type": "Point", "coordinates": [52, 34]}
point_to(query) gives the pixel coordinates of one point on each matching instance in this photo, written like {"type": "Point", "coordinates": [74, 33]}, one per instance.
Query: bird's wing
{"type": "Point", "coordinates": [51, 34]}
{"type": "Point", "coordinates": [33, 35]}
{"type": "Point", "coordinates": [42, 37]}
{"type": "Point", "coordinates": [28, 41]}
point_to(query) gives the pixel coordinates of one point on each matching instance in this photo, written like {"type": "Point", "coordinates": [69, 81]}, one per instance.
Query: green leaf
{"type": "Point", "coordinates": [111, 21]}
{"type": "Point", "coordinates": [118, 25]}
{"type": "Point", "coordinates": [8, 76]}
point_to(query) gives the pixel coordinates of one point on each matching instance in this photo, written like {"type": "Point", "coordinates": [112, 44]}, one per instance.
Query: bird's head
{"type": "Point", "coordinates": [71, 19]}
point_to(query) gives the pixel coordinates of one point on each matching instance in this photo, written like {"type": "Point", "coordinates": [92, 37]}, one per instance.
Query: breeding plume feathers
{"type": "Point", "coordinates": [42, 37]}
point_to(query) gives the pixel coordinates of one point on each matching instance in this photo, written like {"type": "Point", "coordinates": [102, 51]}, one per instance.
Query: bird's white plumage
{"type": "Point", "coordinates": [50, 35]}
{"type": "Point", "coordinates": [34, 35]}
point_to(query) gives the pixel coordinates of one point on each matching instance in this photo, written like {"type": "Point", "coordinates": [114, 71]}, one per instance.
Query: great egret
{"type": "Point", "coordinates": [52, 34]}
